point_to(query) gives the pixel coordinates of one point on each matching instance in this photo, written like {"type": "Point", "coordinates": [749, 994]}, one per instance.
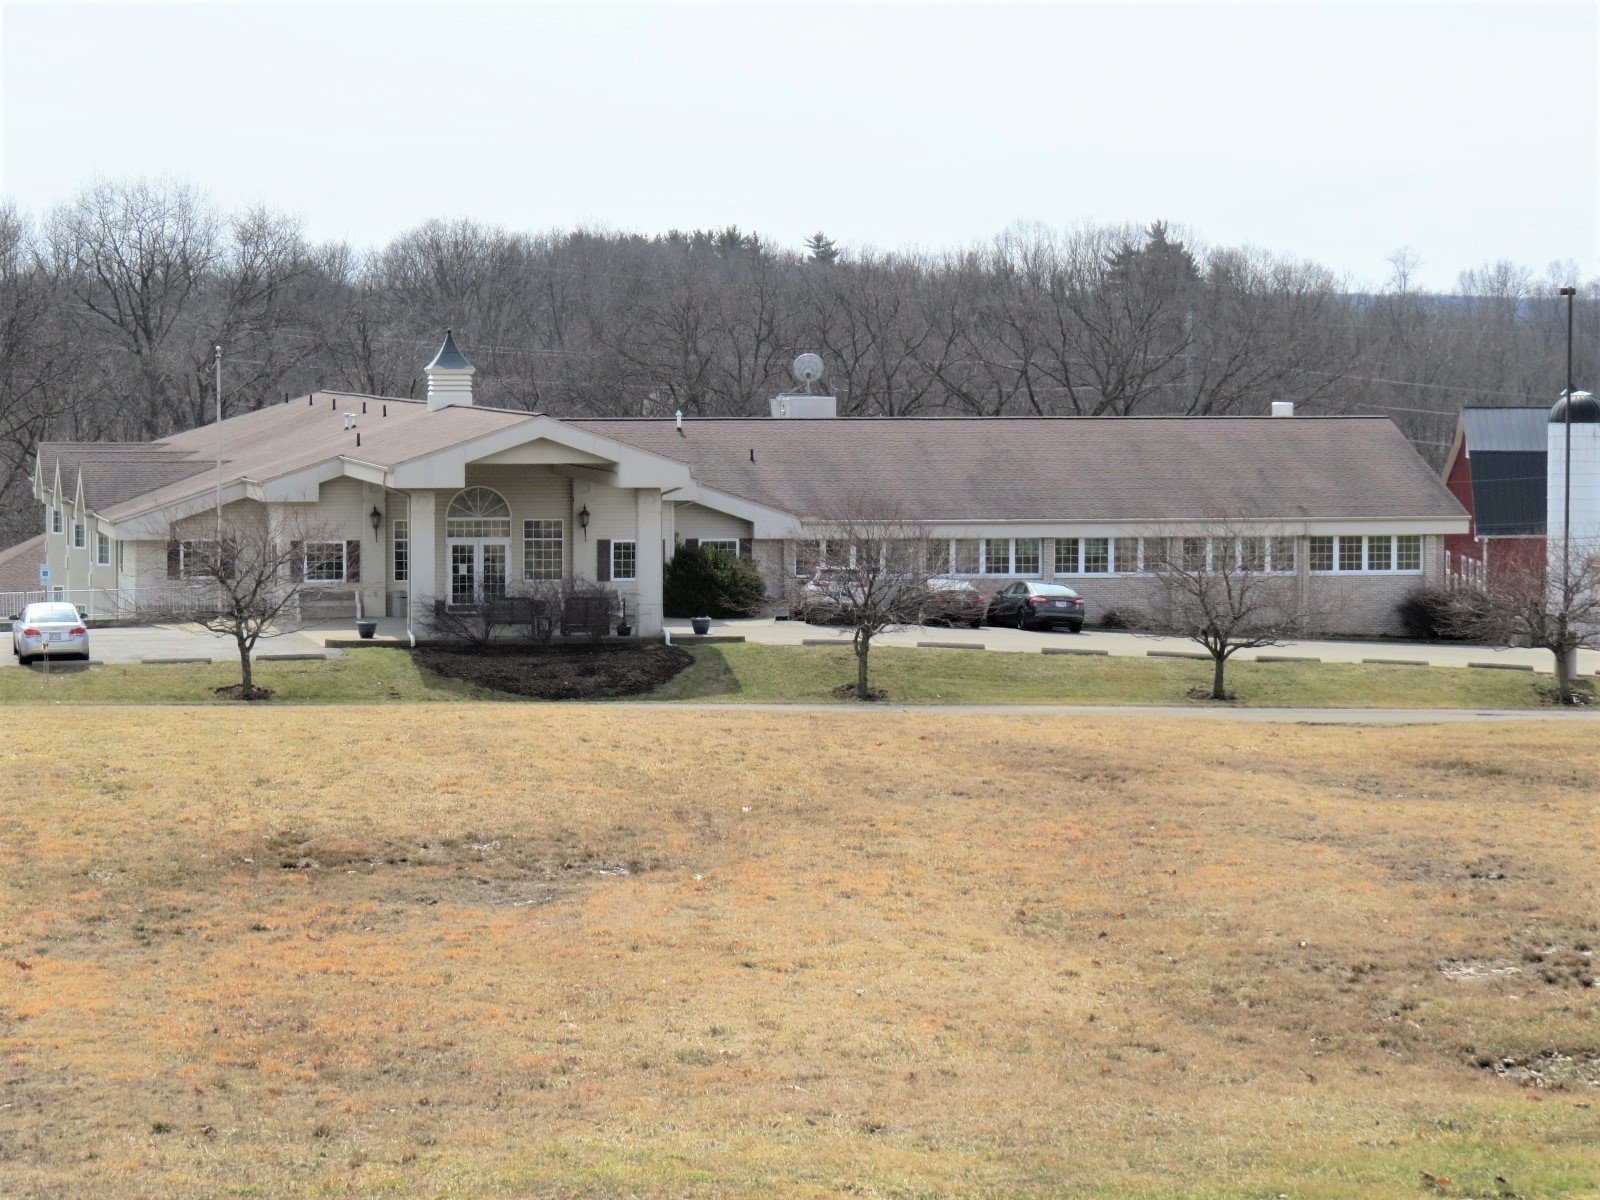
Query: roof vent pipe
{"type": "Point", "coordinates": [1283, 408]}
{"type": "Point", "coordinates": [679, 417]}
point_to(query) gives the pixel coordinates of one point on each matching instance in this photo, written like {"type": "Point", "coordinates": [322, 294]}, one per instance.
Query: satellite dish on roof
{"type": "Point", "coordinates": [807, 369]}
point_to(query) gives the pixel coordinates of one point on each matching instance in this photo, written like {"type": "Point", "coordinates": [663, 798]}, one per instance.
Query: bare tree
{"type": "Point", "coordinates": [876, 569]}
{"type": "Point", "coordinates": [243, 579]}
{"type": "Point", "coordinates": [1552, 607]}
{"type": "Point", "coordinates": [1227, 586]}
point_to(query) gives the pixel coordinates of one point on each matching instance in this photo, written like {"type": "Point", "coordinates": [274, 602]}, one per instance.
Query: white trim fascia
{"type": "Point", "coordinates": [766, 523]}
{"type": "Point", "coordinates": [1282, 527]}
{"type": "Point", "coordinates": [447, 467]}
{"type": "Point", "coordinates": [366, 472]}
{"type": "Point", "coordinates": [152, 524]}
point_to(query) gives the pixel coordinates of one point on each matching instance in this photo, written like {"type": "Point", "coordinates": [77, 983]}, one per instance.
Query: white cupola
{"type": "Point", "coordinates": [449, 376]}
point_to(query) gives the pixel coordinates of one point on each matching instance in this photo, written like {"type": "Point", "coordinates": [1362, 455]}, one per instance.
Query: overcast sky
{"type": "Point", "coordinates": [1337, 131]}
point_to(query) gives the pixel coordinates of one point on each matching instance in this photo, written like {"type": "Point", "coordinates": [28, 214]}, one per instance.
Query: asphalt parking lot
{"type": "Point", "coordinates": [176, 643]}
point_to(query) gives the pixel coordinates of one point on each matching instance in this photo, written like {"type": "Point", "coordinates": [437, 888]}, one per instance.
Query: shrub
{"type": "Point", "coordinates": [1425, 615]}
{"type": "Point", "coordinates": [1123, 618]}
{"type": "Point", "coordinates": [704, 582]}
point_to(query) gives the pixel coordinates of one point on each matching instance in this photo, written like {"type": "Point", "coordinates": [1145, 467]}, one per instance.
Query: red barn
{"type": "Point", "coordinates": [1496, 469]}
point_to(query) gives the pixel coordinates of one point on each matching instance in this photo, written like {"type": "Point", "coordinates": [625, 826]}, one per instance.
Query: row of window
{"type": "Point", "coordinates": [1132, 555]}
{"type": "Point", "coordinates": [80, 537]}
{"type": "Point", "coordinates": [543, 544]}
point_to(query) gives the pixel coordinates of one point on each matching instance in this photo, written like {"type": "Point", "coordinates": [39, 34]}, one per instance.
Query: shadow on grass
{"type": "Point", "coordinates": [708, 675]}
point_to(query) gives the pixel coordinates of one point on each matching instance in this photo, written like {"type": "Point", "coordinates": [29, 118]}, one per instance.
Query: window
{"type": "Point", "coordinates": [324, 562]}
{"type": "Point", "coordinates": [1253, 553]}
{"type": "Point", "coordinates": [808, 558]}
{"type": "Point", "coordinates": [1349, 554]}
{"type": "Point", "coordinates": [624, 560]}
{"type": "Point", "coordinates": [56, 521]}
{"type": "Point", "coordinates": [1125, 553]}
{"type": "Point", "coordinates": [400, 533]}
{"type": "Point", "coordinates": [1156, 551]}
{"type": "Point", "coordinates": [541, 549]}
{"type": "Point", "coordinates": [1282, 549]}
{"type": "Point", "coordinates": [997, 556]}
{"type": "Point", "coordinates": [1025, 556]}
{"type": "Point", "coordinates": [79, 535]}
{"type": "Point", "coordinates": [728, 545]}
{"type": "Point", "coordinates": [1096, 556]}
{"type": "Point", "coordinates": [1380, 554]}
{"type": "Point", "coordinates": [1319, 551]}
{"type": "Point", "coordinates": [1408, 552]}
{"type": "Point", "coordinates": [478, 512]}
{"type": "Point", "coordinates": [1194, 554]}
{"type": "Point", "coordinates": [58, 593]}
{"type": "Point", "coordinates": [102, 549]}
{"type": "Point", "coordinates": [966, 557]}
{"type": "Point", "coordinates": [1011, 556]}
{"type": "Point", "coordinates": [1376, 552]}
{"type": "Point", "coordinates": [1068, 551]}
{"type": "Point", "coordinates": [197, 558]}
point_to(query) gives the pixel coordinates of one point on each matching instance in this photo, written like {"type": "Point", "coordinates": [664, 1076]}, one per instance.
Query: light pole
{"type": "Point", "coordinates": [1566, 469]}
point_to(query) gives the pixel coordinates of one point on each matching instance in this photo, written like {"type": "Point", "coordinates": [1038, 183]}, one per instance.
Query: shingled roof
{"type": "Point", "coordinates": [123, 479]}
{"type": "Point", "coordinates": [1122, 469]}
{"type": "Point", "coordinates": [1054, 468]}
{"type": "Point", "coordinates": [19, 565]}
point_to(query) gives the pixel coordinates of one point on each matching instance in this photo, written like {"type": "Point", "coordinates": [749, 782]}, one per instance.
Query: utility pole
{"type": "Point", "coordinates": [1566, 478]}
{"type": "Point", "coordinates": [219, 446]}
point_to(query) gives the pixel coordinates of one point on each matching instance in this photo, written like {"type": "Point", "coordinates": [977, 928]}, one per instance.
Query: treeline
{"type": "Point", "coordinates": [110, 306]}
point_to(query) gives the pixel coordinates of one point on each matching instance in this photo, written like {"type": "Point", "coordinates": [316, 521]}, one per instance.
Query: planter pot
{"type": "Point", "coordinates": [624, 630]}
{"type": "Point", "coordinates": [366, 628]}
{"type": "Point", "coordinates": [700, 625]}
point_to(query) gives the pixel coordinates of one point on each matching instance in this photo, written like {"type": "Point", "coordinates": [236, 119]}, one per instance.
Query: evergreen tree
{"type": "Point", "coordinates": [822, 247]}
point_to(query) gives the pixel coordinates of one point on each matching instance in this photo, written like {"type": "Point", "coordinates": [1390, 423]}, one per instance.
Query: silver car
{"type": "Point", "coordinates": [52, 630]}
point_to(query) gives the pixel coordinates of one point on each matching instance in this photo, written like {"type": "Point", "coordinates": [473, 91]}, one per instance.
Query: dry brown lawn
{"type": "Point", "coordinates": [510, 951]}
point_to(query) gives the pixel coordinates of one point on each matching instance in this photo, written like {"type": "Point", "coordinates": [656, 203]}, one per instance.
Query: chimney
{"type": "Point", "coordinates": [1283, 408]}
{"type": "Point", "coordinates": [449, 376]}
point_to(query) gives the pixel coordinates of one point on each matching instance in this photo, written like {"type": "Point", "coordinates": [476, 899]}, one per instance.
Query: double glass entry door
{"type": "Point", "coordinates": [478, 570]}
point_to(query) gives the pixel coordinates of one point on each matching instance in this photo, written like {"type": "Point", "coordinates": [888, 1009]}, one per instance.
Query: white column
{"type": "Point", "coordinates": [651, 567]}
{"type": "Point", "coordinates": [424, 560]}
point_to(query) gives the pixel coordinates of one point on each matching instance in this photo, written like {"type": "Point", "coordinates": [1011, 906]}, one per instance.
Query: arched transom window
{"type": "Point", "coordinates": [478, 512]}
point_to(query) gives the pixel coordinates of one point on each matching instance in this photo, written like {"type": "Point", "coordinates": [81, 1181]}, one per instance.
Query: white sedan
{"type": "Point", "coordinates": [53, 630]}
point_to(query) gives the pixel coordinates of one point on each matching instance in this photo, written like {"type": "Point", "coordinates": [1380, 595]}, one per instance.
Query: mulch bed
{"type": "Point", "coordinates": [847, 691]}
{"type": "Point", "coordinates": [595, 672]}
{"type": "Point", "coordinates": [236, 691]}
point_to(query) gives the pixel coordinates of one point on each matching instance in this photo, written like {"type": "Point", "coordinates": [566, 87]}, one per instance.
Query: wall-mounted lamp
{"type": "Point", "coordinates": [583, 520]}
{"type": "Point", "coordinates": [375, 517]}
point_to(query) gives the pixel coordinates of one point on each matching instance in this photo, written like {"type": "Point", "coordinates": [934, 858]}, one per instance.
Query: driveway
{"type": "Point", "coordinates": [773, 632]}
{"type": "Point", "coordinates": [155, 643]}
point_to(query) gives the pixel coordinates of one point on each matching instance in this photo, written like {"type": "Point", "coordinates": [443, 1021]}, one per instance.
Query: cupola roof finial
{"type": "Point", "coordinates": [449, 358]}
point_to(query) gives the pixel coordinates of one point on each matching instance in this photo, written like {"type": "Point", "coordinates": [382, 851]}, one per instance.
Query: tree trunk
{"type": "Point", "coordinates": [245, 669]}
{"type": "Point", "coordinates": [1566, 661]}
{"type": "Point", "coordinates": [862, 648]}
{"type": "Point", "coordinates": [1218, 663]}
